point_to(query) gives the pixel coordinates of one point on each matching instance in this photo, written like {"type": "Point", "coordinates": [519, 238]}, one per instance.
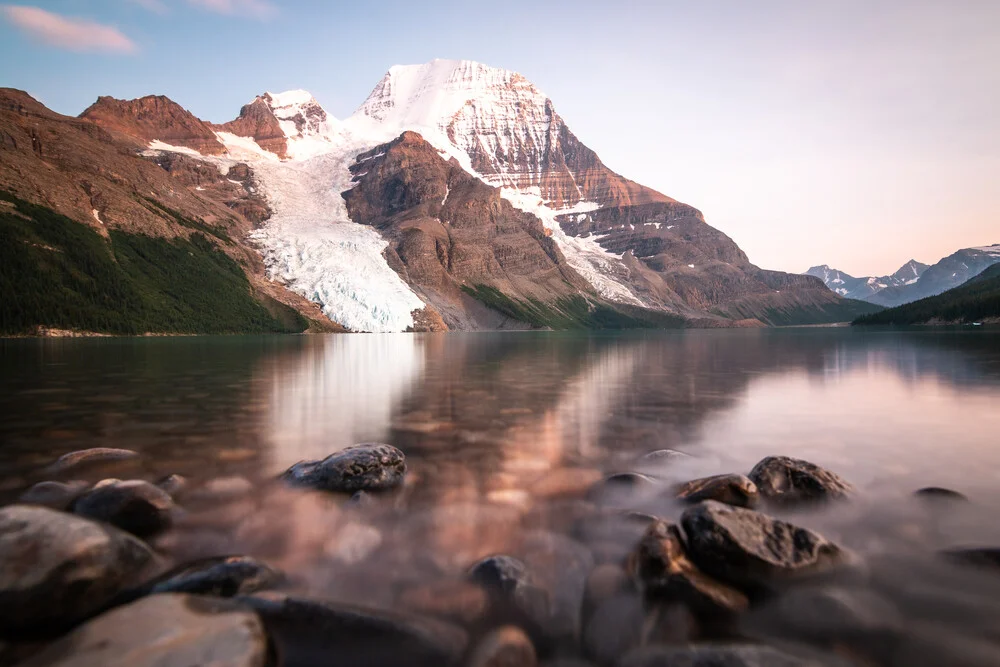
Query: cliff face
{"type": "Point", "coordinates": [101, 179]}
{"type": "Point", "coordinates": [451, 234]}
{"type": "Point", "coordinates": [154, 117]}
{"type": "Point", "coordinates": [257, 121]}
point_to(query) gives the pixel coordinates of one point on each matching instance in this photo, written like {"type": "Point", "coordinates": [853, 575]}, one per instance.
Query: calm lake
{"type": "Point", "coordinates": [891, 411]}
{"type": "Point", "coordinates": [504, 434]}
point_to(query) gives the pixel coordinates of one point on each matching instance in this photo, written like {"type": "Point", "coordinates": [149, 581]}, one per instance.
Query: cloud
{"type": "Point", "coordinates": [155, 6]}
{"type": "Point", "coordinates": [67, 33]}
{"type": "Point", "coordinates": [258, 9]}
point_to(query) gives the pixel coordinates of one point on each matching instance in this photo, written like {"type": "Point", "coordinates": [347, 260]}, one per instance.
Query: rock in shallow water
{"type": "Point", "coordinates": [134, 506]}
{"type": "Point", "coordinates": [312, 632]}
{"type": "Point", "coordinates": [736, 490]}
{"type": "Point", "coordinates": [221, 576]}
{"type": "Point", "coordinates": [750, 549]}
{"type": "Point", "coordinates": [504, 647]}
{"type": "Point", "coordinates": [664, 573]}
{"type": "Point", "coordinates": [169, 630]}
{"type": "Point", "coordinates": [55, 495]}
{"type": "Point", "coordinates": [95, 455]}
{"type": "Point", "coordinates": [787, 480]}
{"type": "Point", "coordinates": [365, 467]}
{"type": "Point", "coordinates": [57, 569]}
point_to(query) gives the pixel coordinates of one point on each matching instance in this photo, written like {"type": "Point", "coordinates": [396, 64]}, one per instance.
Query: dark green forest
{"type": "Point", "coordinates": [58, 273]}
{"type": "Point", "coordinates": [975, 300]}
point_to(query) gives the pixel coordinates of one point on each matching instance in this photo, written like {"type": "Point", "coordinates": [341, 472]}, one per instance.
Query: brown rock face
{"type": "Point", "coordinates": [257, 121]}
{"type": "Point", "coordinates": [154, 117]}
{"type": "Point", "coordinates": [448, 229]}
{"type": "Point", "coordinates": [97, 177]}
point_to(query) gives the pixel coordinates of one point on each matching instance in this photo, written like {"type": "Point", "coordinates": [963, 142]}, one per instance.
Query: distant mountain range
{"type": "Point", "coordinates": [455, 197]}
{"type": "Point", "coordinates": [913, 280]}
{"type": "Point", "coordinates": [977, 300]}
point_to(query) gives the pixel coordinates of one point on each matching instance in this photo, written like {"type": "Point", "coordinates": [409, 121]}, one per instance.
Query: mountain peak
{"type": "Point", "coordinates": [154, 117]}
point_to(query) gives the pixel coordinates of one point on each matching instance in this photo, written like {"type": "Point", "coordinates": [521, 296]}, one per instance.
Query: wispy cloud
{"type": "Point", "coordinates": [63, 32]}
{"type": "Point", "coordinates": [258, 9]}
{"type": "Point", "coordinates": [155, 6]}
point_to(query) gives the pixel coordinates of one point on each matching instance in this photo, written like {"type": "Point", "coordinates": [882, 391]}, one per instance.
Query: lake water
{"type": "Point", "coordinates": [504, 432]}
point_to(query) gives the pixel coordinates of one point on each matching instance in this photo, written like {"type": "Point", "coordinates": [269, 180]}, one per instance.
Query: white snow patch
{"type": "Point", "coordinates": [97, 216]}
{"type": "Point", "coordinates": [690, 266]}
{"type": "Point", "coordinates": [157, 145]}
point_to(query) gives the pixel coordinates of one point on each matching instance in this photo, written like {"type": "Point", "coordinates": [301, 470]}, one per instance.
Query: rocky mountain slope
{"type": "Point", "coordinates": [976, 300]}
{"type": "Point", "coordinates": [93, 231]}
{"type": "Point", "coordinates": [467, 203]}
{"type": "Point", "coordinates": [913, 280]}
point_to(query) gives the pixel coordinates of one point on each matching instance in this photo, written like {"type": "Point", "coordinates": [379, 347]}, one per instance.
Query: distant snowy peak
{"type": "Point", "coordinates": [300, 115]}
{"type": "Point", "coordinates": [429, 95]}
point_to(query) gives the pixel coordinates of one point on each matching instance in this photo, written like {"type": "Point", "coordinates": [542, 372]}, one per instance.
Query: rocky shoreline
{"type": "Point", "coordinates": [136, 572]}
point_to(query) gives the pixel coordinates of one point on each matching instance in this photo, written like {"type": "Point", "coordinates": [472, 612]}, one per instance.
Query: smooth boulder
{"type": "Point", "coordinates": [736, 490]}
{"type": "Point", "coordinates": [750, 549]}
{"type": "Point", "coordinates": [314, 632]}
{"type": "Point", "coordinates": [783, 479]}
{"type": "Point", "coordinates": [57, 569]}
{"type": "Point", "coordinates": [169, 630]}
{"type": "Point", "coordinates": [365, 467]}
{"type": "Point", "coordinates": [504, 647]}
{"type": "Point", "coordinates": [135, 506]}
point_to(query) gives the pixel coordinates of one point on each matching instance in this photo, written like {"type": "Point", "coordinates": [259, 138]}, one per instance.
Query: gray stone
{"type": "Point", "coordinates": [712, 655]}
{"type": "Point", "coordinates": [57, 569]}
{"type": "Point", "coordinates": [169, 630]}
{"type": "Point", "coordinates": [787, 480]}
{"type": "Point", "coordinates": [313, 632]}
{"type": "Point", "coordinates": [134, 506]}
{"type": "Point", "coordinates": [750, 549]}
{"type": "Point", "coordinates": [54, 495]}
{"type": "Point", "coordinates": [939, 493]}
{"type": "Point", "coordinates": [85, 456]}
{"type": "Point", "coordinates": [736, 490]}
{"type": "Point", "coordinates": [365, 467]}
{"type": "Point", "coordinates": [620, 487]}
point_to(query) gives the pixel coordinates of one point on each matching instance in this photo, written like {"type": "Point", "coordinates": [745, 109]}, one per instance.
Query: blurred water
{"type": "Point", "coordinates": [505, 432]}
{"type": "Point", "coordinates": [889, 410]}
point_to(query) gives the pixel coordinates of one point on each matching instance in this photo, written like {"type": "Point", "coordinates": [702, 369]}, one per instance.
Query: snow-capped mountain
{"type": "Point", "coordinates": [866, 287]}
{"type": "Point", "coordinates": [913, 280]}
{"type": "Point", "coordinates": [472, 205]}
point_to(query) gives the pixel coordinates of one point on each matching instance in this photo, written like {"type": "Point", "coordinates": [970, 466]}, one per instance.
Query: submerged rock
{"type": "Point", "coordinates": [504, 647]}
{"type": "Point", "coordinates": [55, 495]}
{"type": "Point", "coordinates": [313, 632]}
{"type": "Point", "coordinates": [134, 506]}
{"type": "Point", "coordinates": [750, 549]}
{"type": "Point", "coordinates": [939, 493]}
{"type": "Point", "coordinates": [95, 455]}
{"type": "Point", "coordinates": [220, 576]}
{"type": "Point", "coordinates": [57, 569]}
{"type": "Point", "coordinates": [169, 630]}
{"type": "Point", "coordinates": [712, 655]}
{"type": "Point", "coordinates": [662, 457]}
{"type": "Point", "coordinates": [172, 484]}
{"type": "Point", "coordinates": [620, 486]}
{"type": "Point", "coordinates": [787, 480]}
{"type": "Point", "coordinates": [365, 467]}
{"type": "Point", "coordinates": [459, 601]}
{"type": "Point", "coordinates": [662, 570]}
{"type": "Point", "coordinates": [513, 594]}
{"type": "Point", "coordinates": [736, 490]}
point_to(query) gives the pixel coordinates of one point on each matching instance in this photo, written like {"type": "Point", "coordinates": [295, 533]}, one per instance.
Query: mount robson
{"type": "Point", "coordinates": [454, 198]}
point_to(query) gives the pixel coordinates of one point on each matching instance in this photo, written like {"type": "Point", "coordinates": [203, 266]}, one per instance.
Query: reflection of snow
{"type": "Point", "coordinates": [338, 391]}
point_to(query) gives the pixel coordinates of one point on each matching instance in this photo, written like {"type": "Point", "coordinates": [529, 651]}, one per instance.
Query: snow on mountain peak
{"type": "Point", "coordinates": [429, 95]}
{"type": "Point", "coordinates": [305, 123]}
